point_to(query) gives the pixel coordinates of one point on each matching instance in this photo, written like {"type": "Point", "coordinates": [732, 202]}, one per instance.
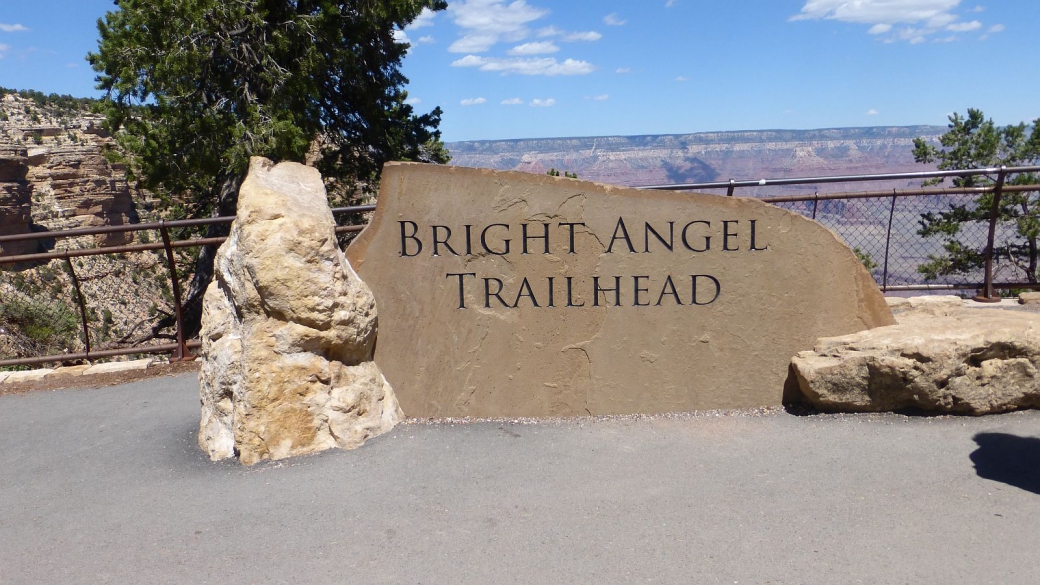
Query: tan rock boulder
{"type": "Point", "coordinates": [973, 361]}
{"type": "Point", "coordinates": [288, 330]}
{"type": "Point", "coordinates": [1027, 298]}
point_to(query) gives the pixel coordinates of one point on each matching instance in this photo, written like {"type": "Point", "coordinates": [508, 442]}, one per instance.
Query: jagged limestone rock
{"type": "Point", "coordinates": [973, 361]}
{"type": "Point", "coordinates": [288, 330]}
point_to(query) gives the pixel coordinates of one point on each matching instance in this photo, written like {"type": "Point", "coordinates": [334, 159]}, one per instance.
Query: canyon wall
{"type": "Point", "coordinates": [707, 156]}
{"type": "Point", "coordinates": [54, 174]}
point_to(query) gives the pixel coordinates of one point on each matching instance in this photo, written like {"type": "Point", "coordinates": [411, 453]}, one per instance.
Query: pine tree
{"type": "Point", "coordinates": [976, 142]}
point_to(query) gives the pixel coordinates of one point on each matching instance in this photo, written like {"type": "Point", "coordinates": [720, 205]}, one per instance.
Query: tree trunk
{"type": "Point", "coordinates": [1031, 277]}
{"type": "Point", "coordinates": [227, 202]}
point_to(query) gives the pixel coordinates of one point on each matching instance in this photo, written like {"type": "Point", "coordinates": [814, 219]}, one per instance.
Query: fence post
{"type": "Point", "coordinates": [888, 242]}
{"type": "Point", "coordinates": [181, 353]}
{"type": "Point", "coordinates": [987, 294]}
{"type": "Point", "coordinates": [732, 185]}
{"type": "Point", "coordinates": [79, 299]}
{"type": "Point", "coordinates": [815, 203]}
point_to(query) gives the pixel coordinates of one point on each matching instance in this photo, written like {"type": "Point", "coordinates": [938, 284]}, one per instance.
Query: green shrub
{"type": "Point", "coordinates": [49, 324]}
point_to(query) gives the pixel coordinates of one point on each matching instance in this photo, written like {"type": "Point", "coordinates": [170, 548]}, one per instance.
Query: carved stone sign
{"type": "Point", "coordinates": [510, 294]}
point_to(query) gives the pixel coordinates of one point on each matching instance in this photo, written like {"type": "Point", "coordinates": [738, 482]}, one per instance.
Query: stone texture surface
{"type": "Point", "coordinates": [488, 360]}
{"type": "Point", "coordinates": [971, 361]}
{"type": "Point", "coordinates": [130, 366]}
{"type": "Point", "coordinates": [82, 189]}
{"type": "Point", "coordinates": [70, 371]}
{"type": "Point", "coordinates": [288, 330]}
{"type": "Point", "coordinates": [54, 175]}
{"type": "Point", "coordinates": [27, 376]}
{"type": "Point", "coordinates": [1027, 298]}
{"type": "Point", "coordinates": [15, 199]}
{"type": "Point", "coordinates": [934, 305]}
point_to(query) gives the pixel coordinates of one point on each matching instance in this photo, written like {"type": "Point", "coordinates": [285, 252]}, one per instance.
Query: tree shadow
{"type": "Point", "coordinates": [1008, 459]}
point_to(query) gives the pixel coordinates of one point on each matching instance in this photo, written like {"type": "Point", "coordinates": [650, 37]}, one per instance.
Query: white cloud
{"type": "Point", "coordinates": [613, 19]}
{"type": "Point", "coordinates": [413, 101]}
{"type": "Point", "coordinates": [872, 112]}
{"type": "Point", "coordinates": [543, 103]}
{"type": "Point", "coordinates": [536, 48]}
{"type": "Point", "coordinates": [3, 49]}
{"type": "Point", "coordinates": [552, 31]}
{"type": "Point", "coordinates": [469, 61]}
{"type": "Point", "coordinates": [598, 98]}
{"type": "Point", "coordinates": [979, 9]}
{"type": "Point", "coordinates": [623, 70]}
{"type": "Point", "coordinates": [473, 101]}
{"type": "Point", "coordinates": [473, 44]}
{"type": "Point", "coordinates": [547, 66]}
{"type": "Point", "coordinates": [682, 78]}
{"type": "Point", "coordinates": [13, 27]}
{"type": "Point", "coordinates": [875, 11]}
{"type": "Point", "coordinates": [669, 3]}
{"type": "Point", "coordinates": [427, 40]}
{"type": "Point", "coordinates": [425, 18]}
{"type": "Point", "coordinates": [996, 28]}
{"type": "Point", "coordinates": [964, 26]}
{"type": "Point", "coordinates": [582, 36]}
{"type": "Point", "coordinates": [920, 18]}
{"type": "Point", "coordinates": [512, 102]}
{"type": "Point", "coordinates": [488, 22]}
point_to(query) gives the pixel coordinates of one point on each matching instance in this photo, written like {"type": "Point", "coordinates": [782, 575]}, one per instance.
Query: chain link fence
{"type": "Point", "coordinates": [884, 233]}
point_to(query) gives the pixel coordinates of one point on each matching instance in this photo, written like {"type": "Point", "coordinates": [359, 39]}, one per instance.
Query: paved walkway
{"type": "Point", "coordinates": [107, 486]}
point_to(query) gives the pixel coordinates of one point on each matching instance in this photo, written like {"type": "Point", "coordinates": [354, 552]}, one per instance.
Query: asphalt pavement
{"type": "Point", "coordinates": [108, 486]}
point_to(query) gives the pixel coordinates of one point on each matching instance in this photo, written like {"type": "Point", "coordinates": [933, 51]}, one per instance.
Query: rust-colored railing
{"type": "Point", "coordinates": [181, 350]}
{"type": "Point", "coordinates": [880, 203]}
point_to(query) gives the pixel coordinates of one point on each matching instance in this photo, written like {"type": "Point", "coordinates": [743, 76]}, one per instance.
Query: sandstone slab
{"type": "Point", "coordinates": [1027, 298]}
{"type": "Point", "coordinates": [110, 367]}
{"type": "Point", "coordinates": [70, 371]}
{"type": "Point", "coordinates": [511, 294]}
{"type": "Point", "coordinates": [27, 376]}
{"type": "Point", "coordinates": [288, 330]}
{"type": "Point", "coordinates": [934, 305]}
{"type": "Point", "coordinates": [974, 361]}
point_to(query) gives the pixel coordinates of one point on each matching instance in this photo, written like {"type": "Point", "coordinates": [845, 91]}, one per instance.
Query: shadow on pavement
{"type": "Point", "coordinates": [1008, 459]}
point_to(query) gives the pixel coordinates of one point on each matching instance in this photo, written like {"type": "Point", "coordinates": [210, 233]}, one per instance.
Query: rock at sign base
{"type": "Point", "coordinates": [975, 361]}
{"type": "Point", "coordinates": [1028, 298]}
{"type": "Point", "coordinates": [288, 330]}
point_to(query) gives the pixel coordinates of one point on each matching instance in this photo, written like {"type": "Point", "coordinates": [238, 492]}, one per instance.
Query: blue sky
{"type": "Point", "coordinates": [549, 68]}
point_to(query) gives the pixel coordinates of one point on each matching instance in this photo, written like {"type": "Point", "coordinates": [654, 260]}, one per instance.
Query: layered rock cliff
{"type": "Point", "coordinates": [54, 175]}
{"type": "Point", "coordinates": [707, 156]}
{"type": "Point", "coordinates": [15, 198]}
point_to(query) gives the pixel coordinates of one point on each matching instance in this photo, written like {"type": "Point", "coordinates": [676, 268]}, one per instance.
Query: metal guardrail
{"type": "Point", "coordinates": [879, 206]}
{"type": "Point", "coordinates": [181, 349]}
{"type": "Point", "coordinates": [998, 188]}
